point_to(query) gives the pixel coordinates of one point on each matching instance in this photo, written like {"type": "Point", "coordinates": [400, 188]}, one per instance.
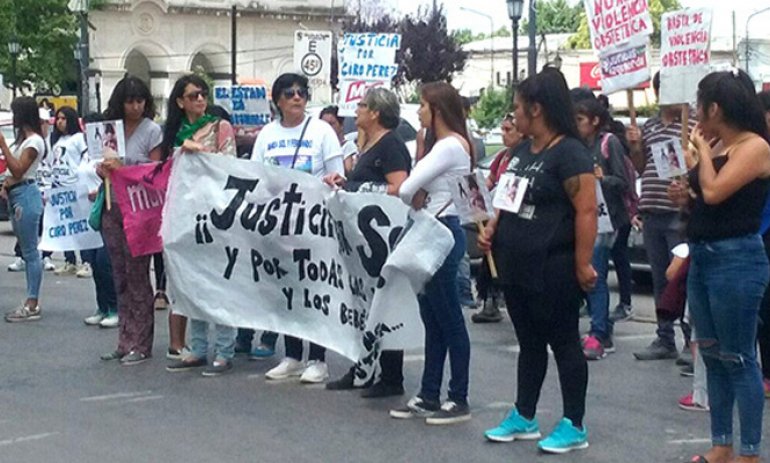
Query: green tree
{"type": "Point", "coordinates": [47, 32]}
{"type": "Point", "coordinates": [463, 36]}
{"type": "Point", "coordinates": [491, 107]}
{"type": "Point", "coordinates": [555, 17]}
{"type": "Point", "coordinates": [582, 38]}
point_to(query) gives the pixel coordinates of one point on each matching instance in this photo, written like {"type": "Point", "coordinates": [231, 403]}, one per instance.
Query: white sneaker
{"type": "Point", "coordinates": [66, 269]}
{"type": "Point", "coordinates": [110, 321]}
{"type": "Point", "coordinates": [48, 265]}
{"type": "Point", "coordinates": [94, 319]}
{"type": "Point", "coordinates": [18, 265]}
{"type": "Point", "coordinates": [316, 372]}
{"type": "Point", "coordinates": [84, 271]}
{"type": "Point", "coordinates": [287, 368]}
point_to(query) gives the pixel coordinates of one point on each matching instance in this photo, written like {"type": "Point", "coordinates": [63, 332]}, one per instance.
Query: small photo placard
{"type": "Point", "coordinates": [510, 193]}
{"type": "Point", "coordinates": [472, 199]}
{"type": "Point", "coordinates": [105, 140]}
{"type": "Point", "coordinates": [669, 159]}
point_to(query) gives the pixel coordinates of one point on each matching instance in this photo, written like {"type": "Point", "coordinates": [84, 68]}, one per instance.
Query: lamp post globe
{"type": "Point", "coordinates": [515, 9]}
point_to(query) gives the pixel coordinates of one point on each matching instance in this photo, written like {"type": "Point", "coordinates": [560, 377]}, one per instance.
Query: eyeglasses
{"type": "Point", "coordinates": [363, 105]}
{"type": "Point", "coordinates": [289, 93]}
{"type": "Point", "coordinates": [195, 95]}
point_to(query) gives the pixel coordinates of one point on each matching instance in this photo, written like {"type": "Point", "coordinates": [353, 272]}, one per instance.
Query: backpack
{"type": "Point", "coordinates": [630, 198]}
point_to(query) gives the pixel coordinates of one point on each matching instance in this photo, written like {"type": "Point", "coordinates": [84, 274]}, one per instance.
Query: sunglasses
{"type": "Point", "coordinates": [289, 93]}
{"type": "Point", "coordinates": [195, 95]}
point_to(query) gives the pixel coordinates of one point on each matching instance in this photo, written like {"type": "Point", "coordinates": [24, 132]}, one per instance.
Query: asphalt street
{"type": "Point", "coordinates": [60, 403]}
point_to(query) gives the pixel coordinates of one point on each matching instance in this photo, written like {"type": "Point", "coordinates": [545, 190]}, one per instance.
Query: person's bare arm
{"type": "Point", "coordinates": [581, 190]}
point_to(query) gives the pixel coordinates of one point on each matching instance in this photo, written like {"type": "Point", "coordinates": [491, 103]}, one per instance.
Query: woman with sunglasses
{"type": "Point", "coordinates": [190, 127]}
{"type": "Point", "coordinates": [132, 103]}
{"type": "Point", "coordinates": [487, 290]}
{"type": "Point", "coordinates": [314, 148]}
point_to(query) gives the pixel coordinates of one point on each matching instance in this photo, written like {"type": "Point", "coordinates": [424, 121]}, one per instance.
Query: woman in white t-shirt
{"type": "Point", "coordinates": [25, 202]}
{"type": "Point", "coordinates": [429, 187]}
{"type": "Point", "coordinates": [296, 141]}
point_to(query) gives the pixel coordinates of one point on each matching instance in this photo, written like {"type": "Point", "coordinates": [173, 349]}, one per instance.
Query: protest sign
{"type": "Point", "coordinates": [625, 68]}
{"type": "Point", "coordinates": [313, 56]}
{"type": "Point", "coordinates": [685, 54]}
{"type": "Point", "coordinates": [471, 198]}
{"type": "Point", "coordinates": [603, 222]}
{"type": "Point", "coordinates": [105, 139]}
{"type": "Point", "coordinates": [510, 193]}
{"type": "Point", "coordinates": [366, 60]}
{"type": "Point", "coordinates": [617, 24]}
{"type": "Point", "coordinates": [248, 105]}
{"type": "Point", "coordinates": [65, 220]}
{"type": "Point", "coordinates": [668, 157]}
{"type": "Point", "coordinates": [263, 247]}
{"type": "Point", "coordinates": [141, 192]}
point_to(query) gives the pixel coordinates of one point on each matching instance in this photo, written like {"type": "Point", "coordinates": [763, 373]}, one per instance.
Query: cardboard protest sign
{"type": "Point", "coordinates": [367, 60]}
{"type": "Point", "coordinates": [685, 54]}
{"type": "Point", "coordinates": [510, 193]}
{"type": "Point", "coordinates": [105, 139]}
{"type": "Point", "coordinates": [617, 24]}
{"type": "Point", "coordinates": [257, 246]}
{"type": "Point", "coordinates": [65, 220]}
{"type": "Point", "coordinates": [625, 68]}
{"type": "Point", "coordinates": [668, 157]}
{"type": "Point", "coordinates": [603, 222]}
{"type": "Point", "coordinates": [248, 105]}
{"type": "Point", "coordinates": [141, 192]}
{"type": "Point", "coordinates": [472, 199]}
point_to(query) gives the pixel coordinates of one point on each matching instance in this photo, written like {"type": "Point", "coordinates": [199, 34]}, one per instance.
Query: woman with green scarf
{"type": "Point", "coordinates": [191, 128]}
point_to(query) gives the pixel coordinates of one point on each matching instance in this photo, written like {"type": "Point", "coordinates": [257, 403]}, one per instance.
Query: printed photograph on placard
{"type": "Point", "coordinates": [669, 159]}
{"type": "Point", "coordinates": [472, 199]}
{"type": "Point", "coordinates": [510, 193]}
{"type": "Point", "coordinates": [105, 139]}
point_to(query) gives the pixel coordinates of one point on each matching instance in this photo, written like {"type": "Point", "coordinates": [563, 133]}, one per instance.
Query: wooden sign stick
{"type": "Point", "coordinates": [631, 107]}
{"type": "Point", "coordinates": [488, 254]}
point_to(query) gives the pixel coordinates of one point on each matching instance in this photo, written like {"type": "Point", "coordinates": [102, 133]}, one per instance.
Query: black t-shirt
{"type": "Point", "coordinates": [388, 155]}
{"type": "Point", "coordinates": [545, 224]}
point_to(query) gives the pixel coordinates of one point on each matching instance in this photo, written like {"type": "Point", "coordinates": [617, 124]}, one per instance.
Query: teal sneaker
{"type": "Point", "coordinates": [564, 438]}
{"type": "Point", "coordinates": [514, 427]}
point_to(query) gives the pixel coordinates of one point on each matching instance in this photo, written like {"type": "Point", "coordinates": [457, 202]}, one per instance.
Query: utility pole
{"type": "Point", "coordinates": [532, 50]}
{"type": "Point", "coordinates": [233, 43]}
{"type": "Point", "coordinates": [85, 62]}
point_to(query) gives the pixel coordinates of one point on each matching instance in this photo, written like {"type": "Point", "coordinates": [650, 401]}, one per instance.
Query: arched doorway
{"type": "Point", "coordinates": [137, 65]}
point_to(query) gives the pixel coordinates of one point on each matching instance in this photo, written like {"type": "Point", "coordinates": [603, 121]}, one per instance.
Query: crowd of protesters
{"type": "Point", "coordinates": [706, 234]}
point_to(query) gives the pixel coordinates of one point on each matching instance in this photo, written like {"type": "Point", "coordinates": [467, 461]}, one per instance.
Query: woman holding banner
{"type": "Point", "coordinates": [25, 203]}
{"type": "Point", "coordinates": [729, 270]}
{"type": "Point", "coordinates": [429, 187]}
{"type": "Point", "coordinates": [190, 128]}
{"type": "Point", "coordinates": [298, 141]}
{"type": "Point", "coordinates": [543, 254]}
{"type": "Point", "coordinates": [132, 103]}
{"type": "Point", "coordinates": [383, 165]}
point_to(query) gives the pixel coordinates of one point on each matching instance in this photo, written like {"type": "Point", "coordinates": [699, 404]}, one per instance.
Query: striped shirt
{"type": "Point", "coordinates": [654, 198]}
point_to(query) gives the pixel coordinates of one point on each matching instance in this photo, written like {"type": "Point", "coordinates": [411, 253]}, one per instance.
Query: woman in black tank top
{"type": "Point", "coordinates": [729, 269]}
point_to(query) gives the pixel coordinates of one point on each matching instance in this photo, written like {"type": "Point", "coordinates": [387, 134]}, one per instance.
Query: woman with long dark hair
{"type": "Point", "coordinates": [25, 203]}
{"type": "Point", "coordinates": [132, 103]}
{"type": "Point", "coordinates": [543, 254]}
{"type": "Point", "coordinates": [190, 127]}
{"type": "Point", "coordinates": [449, 154]}
{"type": "Point", "coordinates": [729, 269]}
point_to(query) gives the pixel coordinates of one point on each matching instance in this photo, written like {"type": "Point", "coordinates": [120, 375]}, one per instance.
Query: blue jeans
{"type": "Point", "coordinates": [725, 286]}
{"type": "Point", "coordinates": [445, 326]}
{"type": "Point", "coordinates": [25, 206]}
{"type": "Point", "coordinates": [224, 342]}
{"type": "Point", "coordinates": [464, 281]}
{"type": "Point", "coordinates": [106, 297]}
{"type": "Point", "coordinates": [622, 264]}
{"type": "Point", "coordinates": [599, 297]}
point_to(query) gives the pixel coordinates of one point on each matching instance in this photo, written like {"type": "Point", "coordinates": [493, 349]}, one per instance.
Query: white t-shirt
{"type": "Point", "coordinates": [434, 173]}
{"type": "Point", "coordinates": [349, 148]}
{"type": "Point", "coordinates": [36, 142]}
{"type": "Point", "coordinates": [67, 154]}
{"type": "Point", "coordinates": [320, 153]}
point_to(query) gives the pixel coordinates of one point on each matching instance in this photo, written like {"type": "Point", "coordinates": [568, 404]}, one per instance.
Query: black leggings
{"type": "Point", "coordinates": [549, 317]}
{"type": "Point", "coordinates": [160, 271]}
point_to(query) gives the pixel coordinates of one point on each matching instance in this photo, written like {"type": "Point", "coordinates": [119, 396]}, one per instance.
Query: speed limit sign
{"type": "Point", "coordinates": [313, 55]}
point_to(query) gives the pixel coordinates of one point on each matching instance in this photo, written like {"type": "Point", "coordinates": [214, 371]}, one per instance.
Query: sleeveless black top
{"type": "Point", "coordinates": [738, 215]}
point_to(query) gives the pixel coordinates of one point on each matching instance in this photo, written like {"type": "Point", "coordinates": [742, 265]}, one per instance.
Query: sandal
{"type": "Point", "coordinates": [698, 459]}
{"type": "Point", "coordinates": [161, 301]}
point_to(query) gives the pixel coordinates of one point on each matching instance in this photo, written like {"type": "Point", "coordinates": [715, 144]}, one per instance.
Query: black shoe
{"type": "Point", "coordinates": [657, 351]}
{"type": "Point", "coordinates": [451, 412]}
{"type": "Point", "coordinates": [489, 314]}
{"type": "Point", "coordinates": [184, 365]}
{"type": "Point", "coordinates": [415, 408]}
{"type": "Point", "coordinates": [621, 313]}
{"type": "Point", "coordinates": [687, 371]}
{"type": "Point", "coordinates": [343, 384]}
{"type": "Point", "coordinates": [380, 389]}
{"type": "Point", "coordinates": [242, 348]}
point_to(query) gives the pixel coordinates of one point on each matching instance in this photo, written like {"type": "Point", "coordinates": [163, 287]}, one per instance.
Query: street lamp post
{"type": "Point", "coordinates": [515, 8]}
{"type": "Point", "coordinates": [491, 39]}
{"type": "Point", "coordinates": [14, 48]}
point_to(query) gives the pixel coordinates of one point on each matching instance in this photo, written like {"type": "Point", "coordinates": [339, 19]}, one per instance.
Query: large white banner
{"type": "Point", "coordinates": [65, 220]}
{"type": "Point", "coordinates": [257, 246]}
{"type": "Point", "coordinates": [685, 54]}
